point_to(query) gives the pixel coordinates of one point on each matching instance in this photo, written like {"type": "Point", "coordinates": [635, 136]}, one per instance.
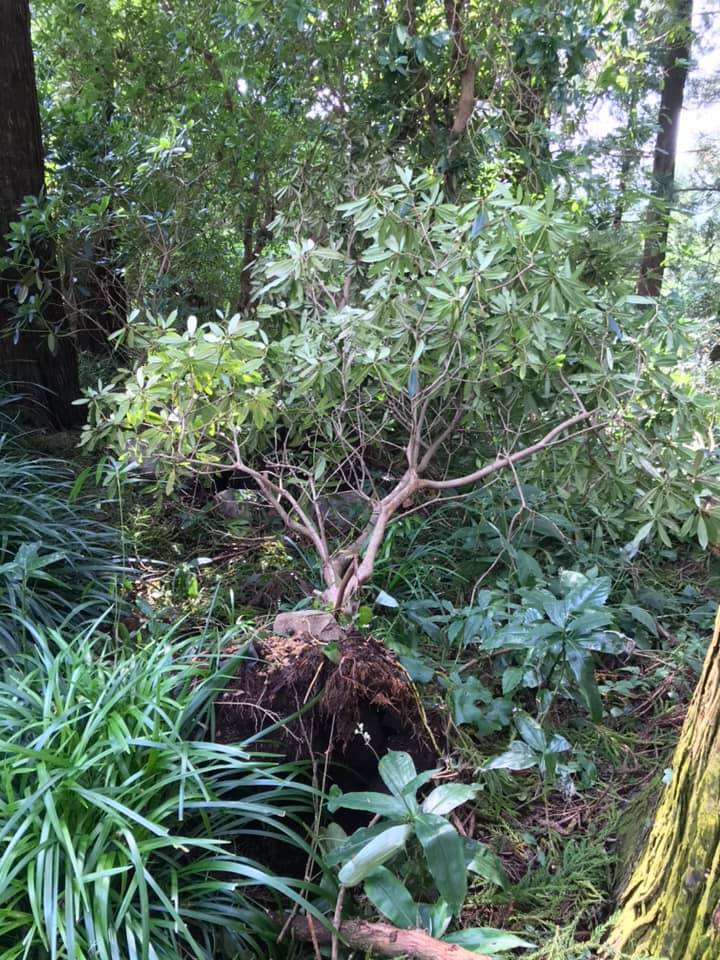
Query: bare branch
{"type": "Point", "coordinates": [502, 461]}
{"type": "Point", "coordinates": [440, 440]}
{"type": "Point", "coordinates": [273, 494]}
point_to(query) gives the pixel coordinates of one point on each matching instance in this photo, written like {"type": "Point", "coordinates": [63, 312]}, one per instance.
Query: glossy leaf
{"type": "Point", "coordinates": [445, 857]}
{"type": "Point", "coordinates": [488, 940]}
{"type": "Point", "coordinates": [381, 848]}
{"type": "Point", "coordinates": [392, 898]}
{"type": "Point", "coordinates": [445, 798]}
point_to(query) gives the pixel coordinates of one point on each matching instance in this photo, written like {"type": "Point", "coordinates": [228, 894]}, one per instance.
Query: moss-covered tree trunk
{"type": "Point", "coordinates": [671, 906]}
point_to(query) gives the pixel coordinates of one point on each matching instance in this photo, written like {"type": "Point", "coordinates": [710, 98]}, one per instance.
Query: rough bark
{"type": "Point", "coordinates": [21, 154]}
{"type": "Point", "coordinates": [675, 72]}
{"type": "Point", "coordinates": [49, 379]}
{"type": "Point", "coordinates": [383, 940]}
{"type": "Point", "coordinates": [463, 65]}
{"type": "Point", "coordinates": [671, 906]}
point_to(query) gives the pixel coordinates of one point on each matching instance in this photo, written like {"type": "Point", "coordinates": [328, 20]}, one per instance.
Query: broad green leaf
{"type": "Point", "coordinates": [374, 854]}
{"type": "Point", "coordinates": [487, 940]}
{"type": "Point", "coordinates": [392, 898]}
{"type": "Point", "coordinates": [370, 802]}
{"type": "Point", "coordinates": [642, 617]}
{"type": "Point", "coordinates": [518, 756]}
{"type": "Point", "coordinates": [480, 860]}
{"type": "Point", "coordinates": [411, 788]}
{"type": "Point", "coordinates": [445, 798]}
{"type": "Point", "coordinates": [434, 918]}
{"type": "Point", "coordinates": [397, 770]}
{"type": "Point", "coordinates": [445, 857]}
{"type": "Point", "coordinates": [582, 665]}
{"type": "Point", "coordinates": [702, 532]}
{"type": "Point", "coordinates": [556, 610]}
{"type": "Point", "coordinates": [345, 849]}
{"type": "Point", "coordinates": [511, 679]}
{"type": "Point", "coordinates": [465, 697]}
{"type": "Point", "coordinates": [592, 594]}
{"type": "Point", "coordinates": [531, 732]}
{"type": "Point", "coordinates": [589, 621]}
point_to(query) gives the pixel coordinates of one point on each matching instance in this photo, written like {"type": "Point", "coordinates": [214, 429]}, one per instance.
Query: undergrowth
{"type": "Point", "coordinates": [449, 595]}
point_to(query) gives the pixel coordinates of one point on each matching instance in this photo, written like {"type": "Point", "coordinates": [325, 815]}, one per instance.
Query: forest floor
{"type": "Point", "coordinates": [565, 851]}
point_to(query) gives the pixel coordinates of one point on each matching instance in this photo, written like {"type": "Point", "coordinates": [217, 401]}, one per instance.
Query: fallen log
{"type": "Point", "coordinates": [382, 939]}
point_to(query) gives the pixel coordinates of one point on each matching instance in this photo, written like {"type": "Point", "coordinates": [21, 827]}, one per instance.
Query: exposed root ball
{"type": "Point", "coordinates": [367, 704]}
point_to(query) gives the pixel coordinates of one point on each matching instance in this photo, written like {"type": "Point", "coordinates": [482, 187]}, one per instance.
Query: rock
{"type": "Point", "coordinates": [315, 623]}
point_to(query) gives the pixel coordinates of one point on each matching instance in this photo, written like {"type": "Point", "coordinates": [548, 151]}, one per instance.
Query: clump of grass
{"type": "Point", "coordinates": [58, 562]}
{"type": "Point", "coordinates": [121, 828]}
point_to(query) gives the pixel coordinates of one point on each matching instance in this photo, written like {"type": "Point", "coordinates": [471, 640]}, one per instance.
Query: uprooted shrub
{"type": "Point", "coordinates": [425, 348]}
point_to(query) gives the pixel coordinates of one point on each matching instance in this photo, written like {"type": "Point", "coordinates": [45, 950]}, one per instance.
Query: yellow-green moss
{"type": "Point", "coordinates": [671, 906]}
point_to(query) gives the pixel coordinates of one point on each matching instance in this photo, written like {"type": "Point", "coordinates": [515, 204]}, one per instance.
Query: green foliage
{"type": "Point", "coordinates": [362, 357]}
{"type": "Point", "coordinates": [534, 749]}
{"type": "Point", "coordinates": [546, 642]}
{"type": "Point", "coordinates": [436, 280]}
{"type": "Point", "coordinates": [555, 640]}
{"type": "Point", "coordinates": [121, 827]}
{"type": "Point", "coordinates": [432, 325]}
{"type": "Point", "coordinates": [447, 856]}
{"type": "Point", "coordinates": [58, 564]}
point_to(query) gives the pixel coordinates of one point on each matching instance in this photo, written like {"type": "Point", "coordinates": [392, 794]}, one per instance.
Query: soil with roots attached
{"type": "Point", "coordinates": [343, 706]}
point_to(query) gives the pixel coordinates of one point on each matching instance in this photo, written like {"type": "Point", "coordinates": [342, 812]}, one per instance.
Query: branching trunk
{"type": "Point", "coordinates": [675, 74]}
{"type": "Point", "coordinates": [463, 67]}
{"type": "Point", "coordinates": [348, 569]}
{"type": "Point", "coordinates": [671, 907]}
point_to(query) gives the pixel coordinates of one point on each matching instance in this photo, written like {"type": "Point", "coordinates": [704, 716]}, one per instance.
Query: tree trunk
{"type": "Point", "coordinates": [49, 379]}
{"type": "Point", "coordinates": [671, 907]}
{"type": "Point", "coordinates": [675, 72]}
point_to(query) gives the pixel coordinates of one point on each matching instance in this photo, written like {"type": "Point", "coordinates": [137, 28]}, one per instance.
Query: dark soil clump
{"type": "Point", "coordinates": [355, 702]}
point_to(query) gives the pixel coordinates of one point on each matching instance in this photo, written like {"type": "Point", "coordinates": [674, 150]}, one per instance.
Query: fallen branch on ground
{"type": "Point", "coordinates": [383, 939]}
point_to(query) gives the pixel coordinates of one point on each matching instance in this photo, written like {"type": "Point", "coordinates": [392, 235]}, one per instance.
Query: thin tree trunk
{"type": "Point", "coordinates": [671, 907]}
{"type": "Point", "coordinates": [49, 379]}
{"type": "Point", "coordinates": [675, 72]}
